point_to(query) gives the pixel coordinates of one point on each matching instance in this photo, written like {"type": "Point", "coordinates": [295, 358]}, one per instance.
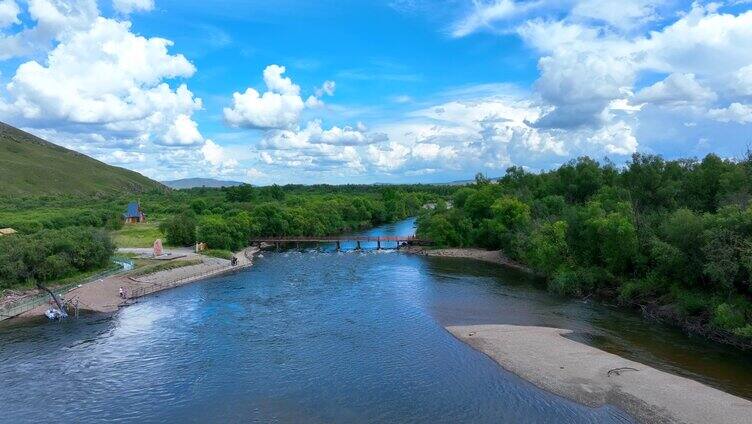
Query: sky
{"type": "Point", "coordinates": [350, 91]}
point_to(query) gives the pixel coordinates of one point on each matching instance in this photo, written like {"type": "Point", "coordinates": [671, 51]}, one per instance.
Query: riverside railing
{"type": "Point", "coordinates": [154, 287]}
{"type": "Point", "coordinates": [25, 304]}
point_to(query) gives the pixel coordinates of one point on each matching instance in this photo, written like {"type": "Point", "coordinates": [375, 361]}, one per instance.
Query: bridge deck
{"type": "Point", "coordinates": [406, 239]}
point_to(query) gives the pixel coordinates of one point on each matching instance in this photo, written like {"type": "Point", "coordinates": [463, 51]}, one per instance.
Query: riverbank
{"type": "Point", "coordinates": [593, 377]}
{"type": "Point", "coordinates": [492, 256]}
{"type": "Point", "coordinates": [103, 295]}
{"type": "Point", "coordinates": [667, 314]}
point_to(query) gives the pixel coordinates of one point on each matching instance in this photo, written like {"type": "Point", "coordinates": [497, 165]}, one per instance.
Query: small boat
{"type": "Point", "coordinates": [54, 314]}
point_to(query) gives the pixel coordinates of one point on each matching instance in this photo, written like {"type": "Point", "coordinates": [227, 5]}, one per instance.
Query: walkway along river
{"type": "Point", "coordinates": [327, 337]}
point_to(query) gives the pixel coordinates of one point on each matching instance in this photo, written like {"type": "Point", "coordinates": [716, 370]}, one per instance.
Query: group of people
{"type": "Point", "coordinates": [123, 293]}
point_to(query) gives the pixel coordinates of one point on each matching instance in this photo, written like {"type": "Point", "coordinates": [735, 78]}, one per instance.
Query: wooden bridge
{"type": "Point", "coordinates": [338, 240]}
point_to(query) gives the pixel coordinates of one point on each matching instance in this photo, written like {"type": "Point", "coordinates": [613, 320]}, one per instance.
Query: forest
{"type": "Point", "coordinates": [60, 236]}
{"type": "Point", "coordinates": [673, 237]}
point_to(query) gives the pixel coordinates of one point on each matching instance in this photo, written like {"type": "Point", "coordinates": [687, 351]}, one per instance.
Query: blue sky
{"type": "Point", "coordinates": [376, 91]}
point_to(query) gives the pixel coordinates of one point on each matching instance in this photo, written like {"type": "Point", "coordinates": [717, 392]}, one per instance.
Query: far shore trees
{"type": "Point", "coordinates": [673, 235]}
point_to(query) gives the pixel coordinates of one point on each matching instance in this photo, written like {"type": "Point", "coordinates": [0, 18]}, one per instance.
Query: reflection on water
{"type": "Point", "coordinates": [312, 337]}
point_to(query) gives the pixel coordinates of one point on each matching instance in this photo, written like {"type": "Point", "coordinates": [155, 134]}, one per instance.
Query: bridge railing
{"type": "Point", "coordinates": [326, 239]}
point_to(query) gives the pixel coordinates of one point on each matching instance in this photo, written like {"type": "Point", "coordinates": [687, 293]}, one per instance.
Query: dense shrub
{"type": "Point", "coordinates": [52, 254]}
{"type": "Point", "coordinates": [661, 232]}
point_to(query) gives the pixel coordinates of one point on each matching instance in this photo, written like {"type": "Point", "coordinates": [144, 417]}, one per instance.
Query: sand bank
{"type": "Point", "coordinates": [493, 256]}
{"type": "Point", "coordinates": [594, 377]}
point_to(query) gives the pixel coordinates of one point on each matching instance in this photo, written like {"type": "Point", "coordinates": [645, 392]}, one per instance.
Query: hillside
{"type": "Point", "coordinates": [32, 166]}
{"type": "Point", "coordinates": [200, 182]}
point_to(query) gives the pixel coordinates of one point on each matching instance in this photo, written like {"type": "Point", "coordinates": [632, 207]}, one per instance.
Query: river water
{"type": "Point", "coordinates": [326, 337]}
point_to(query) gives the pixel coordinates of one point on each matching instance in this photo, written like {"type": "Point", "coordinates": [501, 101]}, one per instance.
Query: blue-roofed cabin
{"type": "Point", "coordinates": [133, 214]}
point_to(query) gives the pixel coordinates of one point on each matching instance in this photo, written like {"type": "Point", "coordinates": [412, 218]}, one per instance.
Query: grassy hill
{"type": "Point", "coordinates": [32, 166]}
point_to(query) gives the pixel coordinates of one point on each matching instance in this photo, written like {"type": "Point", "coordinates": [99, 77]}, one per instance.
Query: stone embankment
{"type": "Point", "coordinates": [104, 295]}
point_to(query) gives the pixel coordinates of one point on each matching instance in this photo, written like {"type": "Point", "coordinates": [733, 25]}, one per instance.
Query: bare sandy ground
{"type": "Point", "coordinates": [493, 256]}
{"type": "Point", "coordinates": [594, 377]}
{"type": "Point", "coordinates": [104, 295]}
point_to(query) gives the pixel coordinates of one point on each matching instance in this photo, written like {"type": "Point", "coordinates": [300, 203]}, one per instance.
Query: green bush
{"type": "Point", "coordinates": [180, 230]}
{"type": "Point", "coordinates": [692, 303]}
{"type": "Point", "coordinates": [728, 317]}
{"type": "Point", "coordinates": [50, 255]}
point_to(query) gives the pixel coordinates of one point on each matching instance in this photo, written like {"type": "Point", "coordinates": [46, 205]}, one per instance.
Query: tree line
{"type": "Point", "coordinates": [674, 236]}
{"type": "Point", "coordinates": [271, 211]}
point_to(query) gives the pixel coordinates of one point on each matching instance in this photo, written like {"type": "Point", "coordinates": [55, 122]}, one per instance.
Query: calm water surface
{"type": "Point", "coordinates": [324, 337]}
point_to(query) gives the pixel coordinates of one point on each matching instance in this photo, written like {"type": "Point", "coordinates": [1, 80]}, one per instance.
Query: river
{"type": "Point", "coordinates": [322, 336]}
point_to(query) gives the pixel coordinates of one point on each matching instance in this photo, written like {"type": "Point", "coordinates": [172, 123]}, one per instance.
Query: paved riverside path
{"type": "Point", "coordinates": [104, 295]}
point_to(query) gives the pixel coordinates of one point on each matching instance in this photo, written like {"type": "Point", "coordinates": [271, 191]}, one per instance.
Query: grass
{"type": "Point", "coordinates": [218, 253]}
{"type": "Point", "coordinates": [164, 266]}
{"type": "Point", "coordinates": [137, 235]}
{"type": "Point", "coordinates": [32, 166]}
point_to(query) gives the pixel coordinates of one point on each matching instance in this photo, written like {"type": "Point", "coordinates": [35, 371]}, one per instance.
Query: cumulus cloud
{"type": "Point", "coordinates": [270, 110]}
{"type": "Point", "coordinates": [130, 6]}
{"type": "Point", "coordinates": [736, 112]}
{"type": "Point", "coordinates": [184, 132]}
{"type": "Point", "coordinates": [279, 107]}
{"type": "Point", "coordinates": [9, 11]}
{"type": "Point", "coordinates": [676, 89]}
{"type": "Point", "coordinates": [109, 81]}
{"type": "Point", "coordinates": [313, 134]}
{"type": "Point", "coordinates": [488, 134]}
{"type": "Point", "coordinates": [55, 20]}
{"type": "Point", "coordinates": [216, 155]}
{"type": "Point", "coordinates": [589, 74]}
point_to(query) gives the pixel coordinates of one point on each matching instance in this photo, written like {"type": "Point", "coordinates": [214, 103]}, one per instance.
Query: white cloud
{"type": "Point", "coordinates": [485, 13]}
{"type": "Point", "coordinates": [184, 132]}
{"type": "Point", "coordinates": [628, 15]}
{"type": "Point", "coordinates": [215, 155]}
{"type": "Point", "coordinates": [270, 110]}
{"type": "Point", "coordinates": [130, 6]}
{"type": "Point", "coordinates": [109, 81]}
{"type": "Point", "coordinates": [588, 73]}
{"type": "Point", "coordinates": [55, 21]}
{"type": "Point", "coordinates": [275, 82]}
{"type": "Point", "coordinates": [125, 157]}
{"type": "Point", "coordinates": [676, 89]}
{"type": "Point", "coordinates": [742, 81]}
{"type": "Point", "coordinates": [327, 88]}
{"type": "Point", "coordinates": [736, 112]}
{"type": "Point", "coordinates": [313, 134]}
{"type": "Point", "coordinates": [278, 108]}
{"type": "Point", "coordinates": [9, 11]}
{"type": "Point", "coordinates": [254, 174]}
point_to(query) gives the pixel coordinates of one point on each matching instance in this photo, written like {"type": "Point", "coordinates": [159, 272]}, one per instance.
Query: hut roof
{"type": "Point", "coordinates": [7, 231]}
{"type": "Point", "coordinates": [133, 210]}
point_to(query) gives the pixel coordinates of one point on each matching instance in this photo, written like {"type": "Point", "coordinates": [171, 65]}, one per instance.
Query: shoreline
{"type": "Point", "coordinates": [102, 296]}
{"type": "Point", "coordinates": [587, 375]}
{"type": "Point", "coordinates": [491, 256]}
{"type": "Point", "coordinates": [663, 314]}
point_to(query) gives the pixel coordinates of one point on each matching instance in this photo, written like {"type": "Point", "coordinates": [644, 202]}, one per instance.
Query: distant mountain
{"type": "Point", "coordinates": [32, 166]}
{"type": "Point", "coordinates": [200, 182]}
